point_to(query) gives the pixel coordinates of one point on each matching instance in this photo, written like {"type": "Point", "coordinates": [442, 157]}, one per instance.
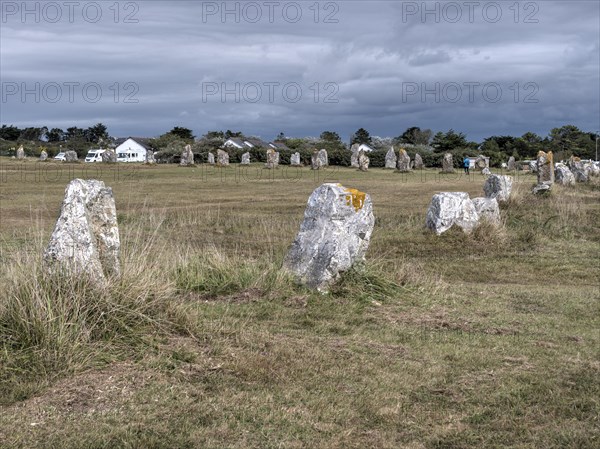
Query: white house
{"type": "Point", "coordinates": [366, 148]}
{"type": "Point", "coordinates": [132, 150]}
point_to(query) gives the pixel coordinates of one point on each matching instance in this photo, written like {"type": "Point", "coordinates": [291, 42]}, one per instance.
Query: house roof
{"type": "Point", "coordinates": [143, 141]}
{"type": "Point", "coordinates": [253, 141]}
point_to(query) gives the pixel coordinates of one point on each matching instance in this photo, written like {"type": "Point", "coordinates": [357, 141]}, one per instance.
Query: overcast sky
{"type": "Point", "coordinates": [483, 68]}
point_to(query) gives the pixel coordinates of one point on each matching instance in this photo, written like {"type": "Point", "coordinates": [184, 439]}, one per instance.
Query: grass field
{"type": "Point", "coordinates": [486, 340]}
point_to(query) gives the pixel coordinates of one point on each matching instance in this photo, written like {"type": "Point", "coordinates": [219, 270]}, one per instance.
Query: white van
{"type": "Point", "coordinates": [131, 156]}
{"type": "Point", "coordinates": [94, 156]}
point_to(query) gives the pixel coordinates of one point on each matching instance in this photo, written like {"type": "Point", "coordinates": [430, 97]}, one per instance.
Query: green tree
{"type": "Point", "coordinates": [330, 136]}
{"type": "Point", "coordinates": [572, 141]}
{"type": "Point", "coordinates": [55, 135]}
{"type": "Point", "coordinates": [9, 132]}
{"type": "Point", "coordinates": [182, 133]}
{"type": "Point", "coordinates": [95, 134]}
{"type": "Point", "coordinates": [229, 134]}
{"type": "Point", "coordinates": [415, 135]}
{"type": "Point", "coordinates": [360, 136]}
{"type": "Point", "coordinates": [214, 135]}
{"type": "Point", "coordinates": [451, 140]}
{"type": "Point", "coordinates": [75, 133]}
{"type": "Point", "coordinates": [33, 133]}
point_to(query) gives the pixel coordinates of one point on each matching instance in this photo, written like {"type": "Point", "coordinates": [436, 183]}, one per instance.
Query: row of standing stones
{"type": "Point", "coordinates": [333, 237]}
{"type": "Point", "coordinates": [319, 159]}
{"type": "Point", "coordinates": [575, 170]}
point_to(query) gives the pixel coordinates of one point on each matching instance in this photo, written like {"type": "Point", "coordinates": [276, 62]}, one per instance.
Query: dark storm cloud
{"type": "Point", "coordinates": [381, 65]}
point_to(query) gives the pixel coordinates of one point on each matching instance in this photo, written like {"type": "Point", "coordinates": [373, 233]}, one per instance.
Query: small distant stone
{"type": "Point", "coordinates": [187, 157]}
{"type": "Point", "coordinates": [211, 159]}
{"type": "Point", "coordinates": [295, 160]}
{"type": "Point", "coordinates": [545, 167]}
{"type": "Point", "coordinates": [272, 159]}
{"type": "Point", "coordinates": [222, 158]}
{"type": "Point", "coordinates": [451, 208]}
{"type": "Point", "coordinates": [71, 156]}
{"type": "Point", "coordinates": [498, 186]}
{"type": "Point", "coordinates": [20, 153]}
{"type": "Point", "coordinates": [447, 163]}
{"type": "Point", "coordinates": [542, 188]}
{"type": "Point", "coordinates": [150, 160]}
{"type": "Point", "coordinates": [487, 209]}
{"type": "Point", "coordinates": [246, 158]}
{"type": "Point", "coordinates": [43, 155]}
{"type": "Point", "coordinates": [324, 157]}
{"type": "Point", "coordinates": [390, 159]}
{"type": "Point", "coordinates": [363, 161]}
{"type": "Point", "coordinates": [511, 165]}
{"type": "Point", "coordinates": [354, 156]}
{"type": "Point", "coordinates": [563, 176]}
{"type": "Point", "coordinates": [418, 162]}
{"type": "Point", "coordinates": [403, 161]}
{"type": "Point", "coordinates": [110, 157]}
{"type": "Point", "coordinates": [533, 166]}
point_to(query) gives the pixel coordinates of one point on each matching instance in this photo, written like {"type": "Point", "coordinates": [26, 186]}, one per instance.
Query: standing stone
{"type": "Point", "coordinates": [579, 169]}
{"type": "Point", "coordinates": [563, 176]}
{"type": "Point", "coordinates": [482, 162]}
{"type": "Point", "coordinates": [447, 163]}
{"type": "Point", "coordinates": [419, 162]}
{"type": "Point", "coordinates": [295, 160]}
{"type": "Point", "coordinates": [533, 166]}
{"type": "Point", "coordinates": [246, 158]}
{"type": "Point", "coordinates": [391, 159]}
{"type": "Point", "coordinates": [403, 161]}
{"type": "Point", "coordinates": [110, 157]}
{"type": "Point", "coordinates": [71, 156]}
{"type": "Point", "coordinates": [487, 209]}
{"type": "Point", "coordinates": [187, 157]}
{"type": "Point", "coordinates": [545, 168]}
{"type": "Point", "coordinates": [451, 208]}
{"type": "Point", "coordinates": [150, 160]}
{"type": "Point", "coordinates": [85, 240]}
{"type": "Point", "coordinates": [334, 235]}
{"type": "Point", "coordinates": [43, 155]}
{"type": "Point", "coordinates": [511, 165]}
{"type": "Point", "coordinates": [486, 172]}
{"type": "Point", "coordinates": [573, 162]}
{"type": "Point", "coordinates": [594, 169]}
{"type": "Point", "coordinates": [272, 159]}
{"type": "Point", "coordinates": [498, 186]}
{"type": "Point", "coordinates": [222, 158]}
{"type": "Point", "coordinates": [315, 161]}
{"type": "Point", "coordinates": [211, 159]}
{"type": "Point", "coordinates": [581, 175]}
{"type": "Point", "coordinates": [324, 158]}
{"type": "Point", "coordinates": [363, 161]}
{"type": "Point", "coordinates": [20, 153]}
{"type": "Point", "coordinates": [542, 188]}
{"type": "Point", "coordinates": [354, 157]}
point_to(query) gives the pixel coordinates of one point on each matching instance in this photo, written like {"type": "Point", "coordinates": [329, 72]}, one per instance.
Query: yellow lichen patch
{"type": "Point", "coordinates": [355, 199]}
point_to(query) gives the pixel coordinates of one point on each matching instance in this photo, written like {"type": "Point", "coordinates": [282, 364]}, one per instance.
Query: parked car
{"type": "Point", "coordinates": [60, 157]}
{"type": "Point", "coordinates": [94, 156]}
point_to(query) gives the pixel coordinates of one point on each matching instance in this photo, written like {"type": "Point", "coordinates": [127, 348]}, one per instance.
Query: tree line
{"type": "Point", "coordinates": [564, 141]}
